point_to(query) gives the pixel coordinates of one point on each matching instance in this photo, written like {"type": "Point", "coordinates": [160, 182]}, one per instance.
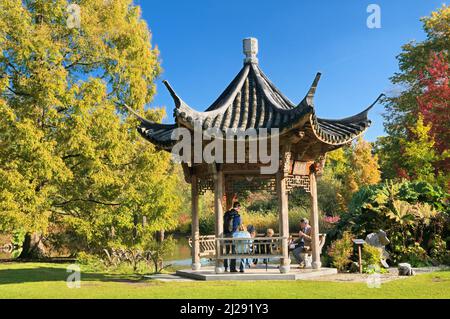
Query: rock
{"type": "Point", "coordinates": [405, 269]}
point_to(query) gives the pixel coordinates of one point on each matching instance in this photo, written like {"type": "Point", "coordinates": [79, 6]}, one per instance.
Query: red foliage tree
{"type": "Point", "coordinates": [434, 103]}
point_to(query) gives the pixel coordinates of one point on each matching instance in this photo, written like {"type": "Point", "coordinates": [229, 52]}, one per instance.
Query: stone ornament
{"type": "Point", "coordinates": [379, 240]}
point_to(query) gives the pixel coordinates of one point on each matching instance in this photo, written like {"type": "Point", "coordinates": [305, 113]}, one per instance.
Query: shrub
{"type": "Point", "coordinates": [341, 250]}
{"type": "Point", "coordinates": [371, 256]}
{"type": "Point", "coordinates": [409, 212]}
{"type": "Point", "coordinates": [328, 189]}
{"type": "Point", "coordinates": [446, 258]}
{"type": "Point", "coordinates": [184, 223]}
{"type": "Point", "coordinates": [90, 262]}
{"type": "Point", "coordinates": [327, 223]}
{"type": "Point", "coordinates": [264, 220]}
{"type": "Point", "coordinates": [371, 269]}
{"type": "Point", "coordinates": [415, 255]}
{"type": "Point", "coordinates": [140, 258]}
{"type": "Point", "coordinates": [17, 240]}
{"type": "Point", "coordinates": [206, 224]}
{"type": "Point", "coordinates": [157, 251]}
{"type": "Point", "coordinates": [295, 215]}
{"type": "Point", "coordinates": [260, 220]}
{"type": "Point", "coordinates": [438, 251]}
{"type": "Point", "coordinates": [419, 191]}
{"type": "Point", "coordinates": [262, 203]}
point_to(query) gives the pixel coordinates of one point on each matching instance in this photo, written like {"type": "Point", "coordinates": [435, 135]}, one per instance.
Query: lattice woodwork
{"type": "Point", "coordinates": [295, 181]}
{"type": "Point", "coordinates": [237, 186]}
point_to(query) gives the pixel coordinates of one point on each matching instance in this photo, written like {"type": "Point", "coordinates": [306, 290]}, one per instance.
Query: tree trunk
{"type": "Point", "coordinates": [32, 247]}
{"type": "Point", "coordinates": [160, 236]}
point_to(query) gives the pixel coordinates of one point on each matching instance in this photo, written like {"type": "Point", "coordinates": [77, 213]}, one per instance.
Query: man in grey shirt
{"type": "Point", "coordinates": [304, 239]}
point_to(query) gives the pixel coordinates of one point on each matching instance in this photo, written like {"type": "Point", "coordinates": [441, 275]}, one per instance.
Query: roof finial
{"type": "Point", "coordinates": [250, 50]}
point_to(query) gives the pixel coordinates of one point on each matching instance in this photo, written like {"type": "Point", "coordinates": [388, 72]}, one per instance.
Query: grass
{"type": "Point", "coordinates": [45, 280]}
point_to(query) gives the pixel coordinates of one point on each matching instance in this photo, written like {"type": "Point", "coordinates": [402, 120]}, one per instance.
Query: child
{"type": "Point", "coordinates": [242, 246]}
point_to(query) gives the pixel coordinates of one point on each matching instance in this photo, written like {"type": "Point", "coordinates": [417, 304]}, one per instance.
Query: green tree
{"type": "Point", "coordinates": [419, 153]}
{"type": "Point", "coordinates": [341, 251]}
{"type": "Point", "coordinates": [70, 158]}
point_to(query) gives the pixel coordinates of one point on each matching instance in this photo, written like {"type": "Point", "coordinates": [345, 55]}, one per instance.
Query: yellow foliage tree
{"type": "Point", "coordinates": [69, 156]}
{"type": "Point", "coordinates": [350, 168]}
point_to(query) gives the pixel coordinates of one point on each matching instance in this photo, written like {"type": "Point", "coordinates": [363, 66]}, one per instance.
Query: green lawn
{"type": "Point", "coordinates": [45, 280]}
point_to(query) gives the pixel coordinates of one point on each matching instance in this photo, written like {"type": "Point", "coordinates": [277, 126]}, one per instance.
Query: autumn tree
{"type": "Point", "coordinates": [363, 169]}
{"type": "Point", "coordinates": [348, 169]}
{"type": "Point", "coordinates": [415, 85]}
{"type": "Point", "coordinates": [70, 156]}
{"type": "Point", "coordinates": [434, 105]}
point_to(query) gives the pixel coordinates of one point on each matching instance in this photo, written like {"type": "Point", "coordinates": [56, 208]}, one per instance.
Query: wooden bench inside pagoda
{"type": "Point", "coordinates": [207, 246]}
{"type": "Point", "coordinates": [257, 247]}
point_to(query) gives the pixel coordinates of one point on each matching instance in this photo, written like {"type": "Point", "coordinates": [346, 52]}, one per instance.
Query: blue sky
{"type": "Point", "coordinates": [201, 49]}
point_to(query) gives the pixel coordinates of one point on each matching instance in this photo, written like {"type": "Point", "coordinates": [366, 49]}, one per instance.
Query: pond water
{"type": "Point", "coordinates": [182, 254]}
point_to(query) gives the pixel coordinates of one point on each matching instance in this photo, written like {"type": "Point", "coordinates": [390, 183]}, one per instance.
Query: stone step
{"type": "Point", "coordinates": [208, 274]}
{"type": "Point", "coordinates": [167, 277]}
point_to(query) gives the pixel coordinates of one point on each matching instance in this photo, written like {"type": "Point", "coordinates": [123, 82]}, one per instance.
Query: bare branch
{"type": "Point", "coordinates": [70, 156]}
{"type": "Point", "coordinates": [18, 93]}
{"type": "Point", "coordinates": [86, 200]}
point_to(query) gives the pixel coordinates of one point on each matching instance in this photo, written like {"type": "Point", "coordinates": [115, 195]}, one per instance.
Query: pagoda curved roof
{"type": "Point", "coordinates": [252, 101]}
{"type": "Point", "coordinates": [249, 101]}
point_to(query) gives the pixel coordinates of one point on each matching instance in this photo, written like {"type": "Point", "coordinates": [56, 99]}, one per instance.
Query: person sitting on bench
{"type": "Point", "coordinates": [242, 246]}
{"type": "Point", "coordinates": [304, 240]}
{"type": "Point", "coordinates": [252, 230]}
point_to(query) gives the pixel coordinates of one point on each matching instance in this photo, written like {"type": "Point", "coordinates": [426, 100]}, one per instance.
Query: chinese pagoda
{"type": "Point", "coordinates": [252, 101]}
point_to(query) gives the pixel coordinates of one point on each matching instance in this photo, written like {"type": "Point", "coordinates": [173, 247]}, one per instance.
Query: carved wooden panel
{"type": "Point", "coordinates": [252, 184]}
{"type": "Point", "coordinates": [295, 181]}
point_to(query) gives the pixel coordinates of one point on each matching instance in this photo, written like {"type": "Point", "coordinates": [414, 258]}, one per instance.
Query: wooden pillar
{"type": "Point", "coordinates": [283, 220]}
{"type": "Point", "coordinates": [195, 250]}
{"type": "Point", "coordinates": [359, 259]}
{"type": "Point", "coordinates": [218, 210]}
{"type": "Point", "coordinates": [314, 219]}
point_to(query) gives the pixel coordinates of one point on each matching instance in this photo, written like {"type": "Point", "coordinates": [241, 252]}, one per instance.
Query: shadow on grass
{"type": "Point", "coordinates": [41, 274]}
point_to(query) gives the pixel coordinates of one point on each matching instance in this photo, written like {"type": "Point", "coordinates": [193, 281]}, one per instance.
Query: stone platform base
{"type": "Point", "coordinates": [207, 273]}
